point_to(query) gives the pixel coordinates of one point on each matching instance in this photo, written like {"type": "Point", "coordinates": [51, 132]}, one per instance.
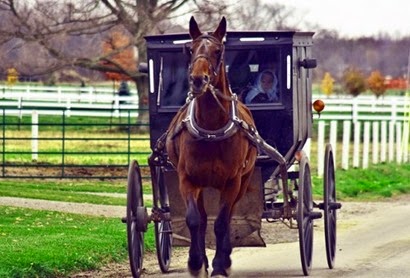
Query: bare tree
{"type": "Point", "coordinates": [260, 15]}
{"type": "Point", "coordinates": [70, 33]}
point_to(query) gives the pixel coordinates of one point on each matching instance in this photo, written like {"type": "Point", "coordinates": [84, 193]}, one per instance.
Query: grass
{"type": "Point", "coordinates": [375, 183]}
{"type": "Point", "coordinates": [52, 244]}
{"type": "Point", "coordinates": [69, 191]}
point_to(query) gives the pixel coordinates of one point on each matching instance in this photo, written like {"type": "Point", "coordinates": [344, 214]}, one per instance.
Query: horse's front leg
{"type": "Point", "coordinates": [222, 260]}
{"type": "Point", "coordinates": [197, 261]}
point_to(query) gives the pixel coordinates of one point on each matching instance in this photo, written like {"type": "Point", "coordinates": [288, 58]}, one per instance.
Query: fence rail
{"type": "Point", "coordinates": [81, 101]}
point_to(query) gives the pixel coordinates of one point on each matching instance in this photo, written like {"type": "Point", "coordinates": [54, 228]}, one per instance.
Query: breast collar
{"type": "Point", "coordinates": [199, 133]}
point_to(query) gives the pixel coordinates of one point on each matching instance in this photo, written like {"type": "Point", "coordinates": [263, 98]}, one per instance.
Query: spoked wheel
{"type": "Point", "coordinates": [330, 206]}
{"type": "Point", "coordinates": [136, 219]}
{"type": "Point", "coordinates": [305, 215]}
{"type": "Point", "coordinates": [163, 230]}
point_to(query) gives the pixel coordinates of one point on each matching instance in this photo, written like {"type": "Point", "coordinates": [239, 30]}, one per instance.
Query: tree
{"type": "Point", "coordinates": [327, 84]}
{"type": "Point", "coordinates": [53, 26]}
{"type": "Point", "coordinates": [354, 81]}
{"type": "Point", "coordinates": [376, 83]}
{"type": "Point", "coordinates": [68, 34]}
{"type": "Point", "coordinates": [125, 58]}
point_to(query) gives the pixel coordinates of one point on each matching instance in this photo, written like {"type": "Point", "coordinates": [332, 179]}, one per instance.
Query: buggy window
{"type": "Point", "coordinates": [174, 86]}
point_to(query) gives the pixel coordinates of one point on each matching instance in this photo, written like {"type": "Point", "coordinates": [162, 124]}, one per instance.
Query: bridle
{"type": "Point", "coordinates": [214, 69]}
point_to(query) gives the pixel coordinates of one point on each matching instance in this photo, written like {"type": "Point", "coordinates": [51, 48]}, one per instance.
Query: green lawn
{"type": "Point", "coordinates": [50, 244]}
{"type": "Point", "coordinates": [53, 244]}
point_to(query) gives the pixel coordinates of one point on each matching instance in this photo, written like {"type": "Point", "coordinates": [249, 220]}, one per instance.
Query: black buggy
{"type": "Point", "coordinates": [284, 124]}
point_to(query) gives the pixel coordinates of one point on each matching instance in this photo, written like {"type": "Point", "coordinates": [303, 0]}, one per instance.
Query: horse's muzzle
{"type": "Point", "coordinates": [199, 83]}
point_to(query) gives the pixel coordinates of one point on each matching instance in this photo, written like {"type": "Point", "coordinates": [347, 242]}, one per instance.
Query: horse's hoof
{"type": "Point", "coordinates": [200, 273]}
{"type": "Point", "coordinates": [219, 274]}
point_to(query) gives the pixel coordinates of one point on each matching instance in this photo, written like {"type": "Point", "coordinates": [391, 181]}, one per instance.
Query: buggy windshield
{"type": "Point", "coordinates": [244, 69]}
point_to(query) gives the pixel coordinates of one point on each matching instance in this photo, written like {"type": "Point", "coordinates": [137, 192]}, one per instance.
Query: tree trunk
{"type": "Point", "coordinates": [142, 124]}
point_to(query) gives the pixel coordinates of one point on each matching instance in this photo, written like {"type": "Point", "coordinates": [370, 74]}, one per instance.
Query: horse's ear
{"type": "Point", "coordinates": [221, 30]}
{"type": "Point", "coordinates": [194, 29]}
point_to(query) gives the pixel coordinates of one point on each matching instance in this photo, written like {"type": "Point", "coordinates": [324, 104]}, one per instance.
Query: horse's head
{"type": "Point", "coordinates": [206, 56]}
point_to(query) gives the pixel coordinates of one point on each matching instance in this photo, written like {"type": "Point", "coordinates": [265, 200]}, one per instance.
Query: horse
{"type": "Point", "coordinates": [208, 146]}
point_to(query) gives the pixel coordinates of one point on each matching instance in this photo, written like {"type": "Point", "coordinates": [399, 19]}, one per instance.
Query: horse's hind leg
{"type": "Point", "coordinates": [197, 258]}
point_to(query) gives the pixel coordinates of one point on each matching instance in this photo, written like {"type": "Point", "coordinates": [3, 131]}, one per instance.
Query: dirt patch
{"type": "Point", "coordinates": [70, 171]}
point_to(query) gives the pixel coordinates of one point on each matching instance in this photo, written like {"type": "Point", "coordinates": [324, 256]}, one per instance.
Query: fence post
{"type": "Point", "coordinates": [391, 141]}
{"type": "Point", "coordinates": [34, 135]}
{"type": "Point", "coordinates": [320, 148]}
{"type": "Point", "coordinates": [333, 139]}
{"type": "Point", "coordinates": [355, 110]}
{"type": "Point", "coordinates": [366, 140]}
{"type": "Point", "coordinates": [405, 142]}
{"type": "Point", "coordinates": [68, 107]}
{"type": "Point", "coordinates": [346, 145]}
{"type": "Point", "coordinates": [307, 147]}
{"type": "Point", "coordinates": [375, 150]}
{"type": "Point", "coordinates": [398, 143]}
{"type": "Point", "coordinates": [383, 142]}
{"type": "Point", "coordinates": [90, 95]}
{"type": "Point", "coordinates": [59, 94]}
{"type": "Point", "coordinates": [356, 144]}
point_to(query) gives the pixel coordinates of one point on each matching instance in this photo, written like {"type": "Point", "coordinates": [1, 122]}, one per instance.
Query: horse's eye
{"type": "Point", "coordinates": [218, 52]}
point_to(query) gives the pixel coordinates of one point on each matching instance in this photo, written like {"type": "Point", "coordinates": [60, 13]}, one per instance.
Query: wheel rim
{"type": "Point", "coordinates": [330, 214]}
{"type": "Point", "coordinates": [134, 236]}
{"type": "Point", "coordinates": [305, 222]}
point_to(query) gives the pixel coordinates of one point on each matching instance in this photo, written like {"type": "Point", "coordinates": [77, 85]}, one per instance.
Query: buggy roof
{"type": "Point", "coordinates": [240, 38]}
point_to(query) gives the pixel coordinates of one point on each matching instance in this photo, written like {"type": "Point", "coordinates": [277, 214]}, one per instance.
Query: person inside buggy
{"type": "Point", "coordinates": [252, 76]}
{"type": "Point", "coordinates": [264, 90]}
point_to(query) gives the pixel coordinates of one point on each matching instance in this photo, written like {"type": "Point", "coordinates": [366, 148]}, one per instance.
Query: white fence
{"type": "Point", "coordinates": [100, 101]}
{"type": "Point", "coordinates": [372, 131]}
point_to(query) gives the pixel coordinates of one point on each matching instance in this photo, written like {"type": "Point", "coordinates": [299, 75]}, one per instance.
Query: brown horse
{"type": "Point", "coordinates": [209, 148]}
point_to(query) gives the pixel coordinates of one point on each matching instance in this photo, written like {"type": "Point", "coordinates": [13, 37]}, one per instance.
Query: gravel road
{"type": "Point", "coordinates": [373, 241]}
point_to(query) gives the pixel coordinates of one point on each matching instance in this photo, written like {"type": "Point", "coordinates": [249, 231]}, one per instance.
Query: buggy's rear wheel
{"type": "Point", "coordinates": [163, 229]}
{"type": "Point", "coordinates": [136, 219]}
{"type": "Point", "coordinates": [304, 215]}
{"type": "Point", "coordinates": [330, 206]}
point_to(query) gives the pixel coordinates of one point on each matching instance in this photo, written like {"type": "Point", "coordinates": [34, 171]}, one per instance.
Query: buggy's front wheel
{"type": "Point", "coordinates": [136, 219]}
{"type": "Point", "coordinates": [305, 215]}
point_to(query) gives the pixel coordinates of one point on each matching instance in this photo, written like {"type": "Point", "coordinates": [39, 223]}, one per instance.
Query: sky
{"type": "Point", "coordinates": [353, 18]}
